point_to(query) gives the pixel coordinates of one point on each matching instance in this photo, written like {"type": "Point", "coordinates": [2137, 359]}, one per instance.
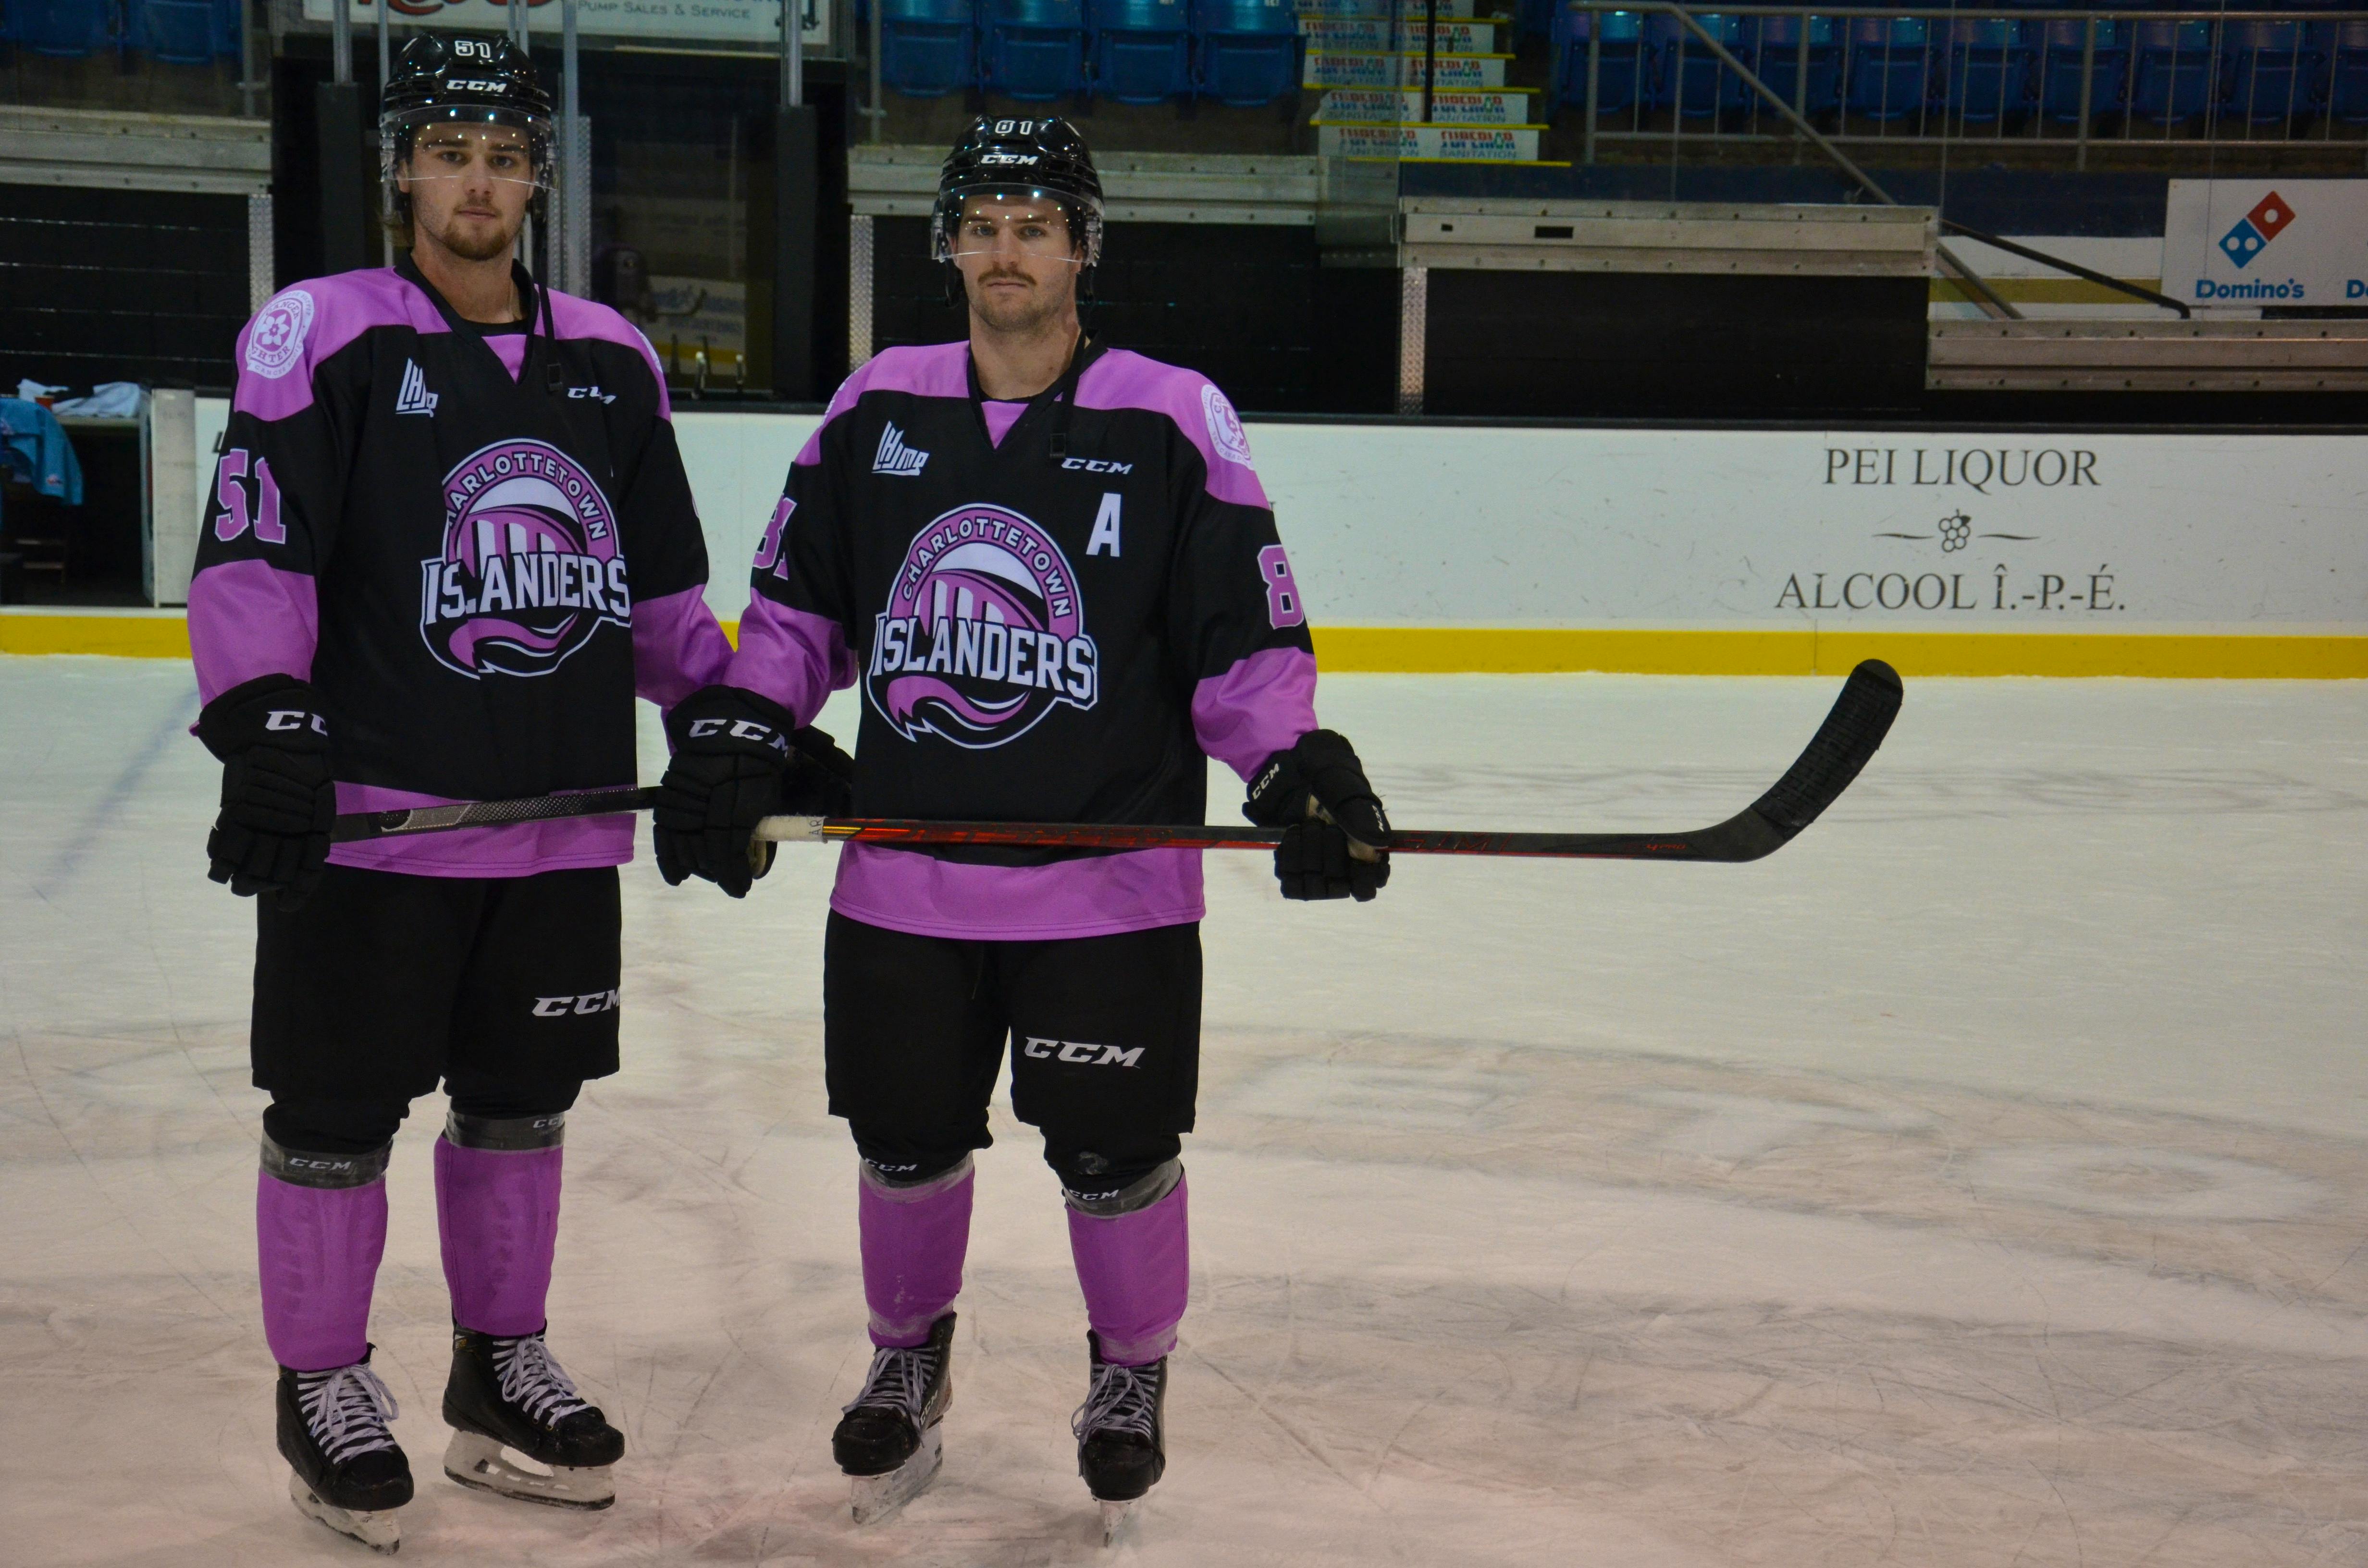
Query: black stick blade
{"type": "Point", "coordinates": [1861, 716]}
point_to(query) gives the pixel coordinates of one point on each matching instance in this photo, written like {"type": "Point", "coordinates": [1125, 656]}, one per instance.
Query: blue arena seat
{"type": "Point", "coordinates": [2170, 71]}
{"type": "Point", "coordinates": [1033, 49]}
{"type": "Point", "coordinates": [927, 48]}
{"type": "Point", "coordinates": [2272, 73]}
{"type": "Point", "coordinates": [230, 21]}
{"type": "Point", "coordinates": [62, 30]}
{"type": "Point", "coordinates": [2347, 90]}
{"type": "Point", "coordinates": [177, 32]}
{"type": "Point", "coordinates": [1777, 60]}
{"type": "Point", "coordinates": [1250, 50]}
{"type": "Point", "coordinates": [2063, 44]}
{"type": "Point", "coordinates": [1889, 60]}
{"type": "Point", "coordinates": [1707, 89]}
{"type": "Point", "coordinates": [1142, 50]}
{"type": "Point", "coordinates": [1621, 59]}
{"type": "Point", "coordinates": [1985, 74]}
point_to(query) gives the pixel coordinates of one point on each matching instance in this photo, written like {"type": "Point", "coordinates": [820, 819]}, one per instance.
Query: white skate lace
{"type": "Point", "coordinates": [899, 1381]}
{"type": "Point", "coordinates": [348, 1411]}
{"type": "Point", "coordinates": [533, 1382]}
{"type": "Point", "coordinates": [1120, 1399]}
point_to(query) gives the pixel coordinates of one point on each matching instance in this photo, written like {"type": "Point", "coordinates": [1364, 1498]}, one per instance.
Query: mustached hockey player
{"type": "Point", "coordinates": [1052, 569]}
{"type": "Point", "coordinates": [449, 539]}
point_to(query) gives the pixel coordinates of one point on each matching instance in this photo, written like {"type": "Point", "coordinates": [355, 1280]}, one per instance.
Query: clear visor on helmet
{"type": "Point", "coordinates": [984, 219]}
{"type": "Point", "coordinates": [460, 141]}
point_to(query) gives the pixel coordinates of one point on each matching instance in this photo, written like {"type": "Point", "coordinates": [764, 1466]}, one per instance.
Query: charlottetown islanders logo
{"type": "Point", "coordinates": [531, 568]}
{"type": "Point", "coordinates": [984, 633]}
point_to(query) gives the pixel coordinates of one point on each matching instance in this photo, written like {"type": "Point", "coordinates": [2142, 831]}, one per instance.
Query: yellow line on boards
{"type": "Point", "coordinates": [1543, 650]}
{"type": "Point", "coordinates": [1439, 649]}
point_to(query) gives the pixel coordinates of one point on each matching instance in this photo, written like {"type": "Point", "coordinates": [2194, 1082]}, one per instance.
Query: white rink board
{"type": "Point", "coordinates": [1391, 524]}
{"type": "Point", "coordinates": [1441, 526]}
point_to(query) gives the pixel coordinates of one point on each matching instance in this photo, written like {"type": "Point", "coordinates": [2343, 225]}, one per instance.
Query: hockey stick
{"type": "Point", "coordinates": [1861, 716]}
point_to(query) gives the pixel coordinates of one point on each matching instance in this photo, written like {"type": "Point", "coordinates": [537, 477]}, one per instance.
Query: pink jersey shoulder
{"type": "Point", "coordinates": [1122, 378]}
{"type": "Point", "coordinates": [306, 323]}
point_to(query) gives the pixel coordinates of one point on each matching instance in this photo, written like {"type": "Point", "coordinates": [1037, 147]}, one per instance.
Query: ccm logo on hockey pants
{"type": "Point", "coordinates": [1081, 1051]}
{"type": "Point", "coordinates": [580, 1006]}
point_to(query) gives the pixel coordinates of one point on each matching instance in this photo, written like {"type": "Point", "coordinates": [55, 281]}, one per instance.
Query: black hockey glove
{"type": "Point", "coordinates": [277, 801]}
{"type": "Point", "coordinates": [1333, 824]}
{"type": "Point", "coordinates": [739, 758]}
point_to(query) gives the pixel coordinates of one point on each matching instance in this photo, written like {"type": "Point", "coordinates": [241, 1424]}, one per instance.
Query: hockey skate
{"type": "Point", "coordinates": [510, 1395]}
{"type": "Point", "coordinates": [346, 1470]}
{"type": "Point", "coordinates": [1121, 1436]}
{"type": "Point", "coordinates": [888, 1439]}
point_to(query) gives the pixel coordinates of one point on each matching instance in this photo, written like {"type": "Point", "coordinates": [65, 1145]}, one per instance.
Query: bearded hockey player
{"type": "Point", "coordinates": [449, 539]}
{"type": "Point", "coordinates": [1052, 568]}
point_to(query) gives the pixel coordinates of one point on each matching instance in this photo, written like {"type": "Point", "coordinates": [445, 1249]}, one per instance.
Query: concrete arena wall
{"type": "Point", "coordinates": [1721, 552]}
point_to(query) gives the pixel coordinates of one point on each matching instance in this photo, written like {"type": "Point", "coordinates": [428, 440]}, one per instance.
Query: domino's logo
{"type": "Point", "coordinates": [2255, 229]}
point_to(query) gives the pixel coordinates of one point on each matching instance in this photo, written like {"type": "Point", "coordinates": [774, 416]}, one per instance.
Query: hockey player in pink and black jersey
{"type": "Point", "coordinates": [1052, 570]}
{"type": "Point", "coordinates": [451, 540]}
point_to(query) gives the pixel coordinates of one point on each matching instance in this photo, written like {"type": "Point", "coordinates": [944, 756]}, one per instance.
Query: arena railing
{"type": "Point", "coordinates": [1992, 76]}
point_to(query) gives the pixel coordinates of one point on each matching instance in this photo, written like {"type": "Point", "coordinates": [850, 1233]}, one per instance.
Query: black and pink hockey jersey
{"type": "Point", "coordinates": [477, 544]}
{"type": "Point", "coordinates": [1057, 611]}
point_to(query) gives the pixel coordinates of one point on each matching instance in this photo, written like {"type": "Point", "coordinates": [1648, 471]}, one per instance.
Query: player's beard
{"type": "Point", "coordinates": [1021, 314]}
{"type": "Point", "coordinates": [475, 241]}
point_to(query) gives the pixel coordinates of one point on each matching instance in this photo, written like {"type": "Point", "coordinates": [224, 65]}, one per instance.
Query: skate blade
{"type": "Point", "coordinates": [378, 1530]}
{"type": "Point", "coordinates": [875, 1497]}
{"type": "Point", "coordinates": [1116, 1517]}
{"type": "Point", "coordinates": [482, 1464]}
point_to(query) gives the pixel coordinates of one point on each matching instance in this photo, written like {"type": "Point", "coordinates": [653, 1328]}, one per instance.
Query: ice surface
{"type": "Point", "coordinates": [1977, 1182]}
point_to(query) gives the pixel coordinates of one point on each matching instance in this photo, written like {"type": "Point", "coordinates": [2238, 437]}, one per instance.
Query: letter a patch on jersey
{"type": "Point", "coordinates": [1105, 526]}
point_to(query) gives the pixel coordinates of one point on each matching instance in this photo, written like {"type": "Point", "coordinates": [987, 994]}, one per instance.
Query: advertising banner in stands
{"type": "Point", "coordinates": [753, 22]}
{"type": "Point", "coordinates": [2246, 243]}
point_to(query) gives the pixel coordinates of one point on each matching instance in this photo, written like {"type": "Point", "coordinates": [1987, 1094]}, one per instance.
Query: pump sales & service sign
{"type": "Point", "coordinates": [2245, 244]}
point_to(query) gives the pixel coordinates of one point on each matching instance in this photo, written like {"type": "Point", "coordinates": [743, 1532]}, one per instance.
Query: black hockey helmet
{"type": "Point", "coordinates": [467, 80]}
{"type": "Point", "coordinates": [1021, 159]}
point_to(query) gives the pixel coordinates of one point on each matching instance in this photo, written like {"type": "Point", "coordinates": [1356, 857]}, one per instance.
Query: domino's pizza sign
{"type": "Point", "coordinates": [2235, 244]}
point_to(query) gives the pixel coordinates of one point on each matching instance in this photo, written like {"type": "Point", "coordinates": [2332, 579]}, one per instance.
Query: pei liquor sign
{"type": "Point", "coordinates": [1435, 526]}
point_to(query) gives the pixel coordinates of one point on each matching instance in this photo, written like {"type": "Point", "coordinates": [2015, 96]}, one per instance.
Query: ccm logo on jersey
{"type": "Point", "coordinates": [582, 1007]}
{"type": "Point", "coordinates": [593, 393]}
{"type": "Point", "coordinates": [1081, 1051]}
{"type": "Point", "coordinates": [1094, 465]}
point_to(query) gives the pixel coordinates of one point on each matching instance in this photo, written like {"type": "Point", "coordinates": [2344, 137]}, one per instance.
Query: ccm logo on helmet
{"type": "Point", "coordinates": [1078, 1051]}
{"type": "Point", "coordinates": [581, 1006]}
{"type": "Point", "coordinates": [998, 159]}
{"type": "Point", "coordinates": [474, 85]}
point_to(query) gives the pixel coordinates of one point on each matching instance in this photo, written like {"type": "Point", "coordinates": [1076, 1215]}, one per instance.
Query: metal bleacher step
{"type": "Point", "coordinates": [1371, 68]}
{"type": "Point", "coordinates": [2108, 355]}
{"type": "Point", "coordinates": [1367, 105]}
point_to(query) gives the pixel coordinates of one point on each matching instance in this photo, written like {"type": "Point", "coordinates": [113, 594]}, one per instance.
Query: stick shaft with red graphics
{"type": "Point", "coordinates": [1861, 716]}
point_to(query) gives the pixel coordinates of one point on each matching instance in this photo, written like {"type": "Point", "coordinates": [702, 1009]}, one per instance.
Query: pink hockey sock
{"type": "Point", "coordinates": [497, 1214]}
{"type": "Point", "coordinates": [1135, 1270]}
{"type": "Point", "coordinates": [317, 1249]}
{"type": "Point", "coordinates": [914, 1239]}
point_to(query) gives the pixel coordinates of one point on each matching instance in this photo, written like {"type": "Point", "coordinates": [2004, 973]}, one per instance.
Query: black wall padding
{"type": "Point", "coordinates": [120, 285]}
{"type": "Point", "coordinates": [1606, 346]}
